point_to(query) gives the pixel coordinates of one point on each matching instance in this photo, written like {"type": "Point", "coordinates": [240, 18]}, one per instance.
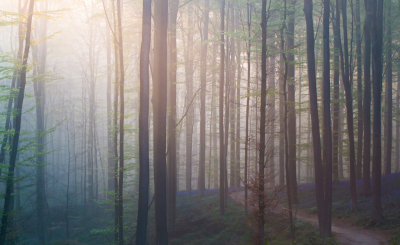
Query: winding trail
{"type": "Point", "coordinates": [345, 233]}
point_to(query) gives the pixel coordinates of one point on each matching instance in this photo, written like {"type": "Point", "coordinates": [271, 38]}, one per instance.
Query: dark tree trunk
{"type": "Point", "coordinates": [359, 91]}
{"type": "Point", "coordinates": [367, 101]}
{"type": "Point", "coordinates": [281, 118]}
{"type": "Point", "coordinates": [238, 116]}
{"type": "Point", "coordinates": [15, 141]}
{"type": "Point", "coordinates": [345, 66]}
{"type": "Point", "coordinates": [232, 99]}
{"type": "Point", "coordinates": [189, 97]}
{"type": "Point", "coordinates": [160, 115]}
{"type": "Point", "coordinates": [327, 124]}
{"type": "Point", "coordinates": [214, 118]}
{"type": "Point", "coordinates": [389, 101]}
{"type": "Point", "coordinates": [221, 115]}
{"type": "Point", "coordinates": [203, 77]}
{"type": "Point", "coordinates": [271, 119]}
{"type": "Point", "coordinates": [261, 163]}
{"type": "Point", "coordinates": [171, 157]}
{"type": "Point", "coordinates": [336, 88]}
{"type": "Point", "coordinates": [110, 157]}
{"type": "Point", "coordinates": [291, 103]}
{"type": "Point", "coordinates": [121, 126]}
{"type": "Point", "coordinates": [144, 162]}
{"type": "Point", "coordinates": [376, 40]}
{"type": "Point", "coordinates": [312, 83]}
{"type": "Point", "coordinates": [246, 146]}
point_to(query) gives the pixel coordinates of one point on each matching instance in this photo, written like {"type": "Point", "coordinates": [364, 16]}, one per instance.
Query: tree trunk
{"type": "Point", "coordinates": [349, 105]}
{"type": "Point", "coordinates": [144, 162]}
{"type": "Point", "coordinates": [203, 81]}
{"type": "Point", "coordinates": [160, 115]}
{"type": "Point", "coordinates": [14, 150]}
{"type": "Point", "coordinates": [376, 39]}
{"type": "Point", "coordinates": [171, 160]}
{"type": "Point", "coordinates": [336, 88]}
{"type": "Point", "coordinates": [189, 97]}
{"type": "Point", "coordinates": [214, 119]}
{"type": "Point", "coordinates": [367, 101]}
{"type": "Point", "coordinates": [327, 124]}
{"type": "Point", "coordinates": [238, 116]}
{"type": "Point", "coordinates": [121, 126]}
{"type": "Point", "coordinates": [312, 83]}
{"type": "Point", "coordinates": [261, 163]}
{"type": "Point", "coordinates": [291, 103]}
{"type": "Point", "coordinates": [359, 91]}
{"type": "Point", "coordinates": [389, 101]}
{"type": "Point", "coordinates": [221, 115]}
{"type": "Point", "coordinates": [110, 158]}
{"type": "Point", "coordinates": [246, 147]}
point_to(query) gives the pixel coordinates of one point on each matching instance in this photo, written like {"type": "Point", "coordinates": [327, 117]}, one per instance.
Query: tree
{"type": "Point", "coordinates": [121, 127]}
{"type": "Point", "coordinates": [159, 117]}
{"type": "Point", "coordinates": [15, 141]}
{"type": "Point", "coordinates": [246, 146]}
{"type": "Point", "coordinates": [189, 96]}
{"type": "Point", "coordinates": [203, 76]}
{"type": "Point", "coordinates": [367, 100]}
{"type": "Point", "coordinates": [312, 84]}
{"type": "Point", "coordinates": [359, 91]}
{"type": "Point", "coordinates": [336, 88]}
{"type": "Point", "coordinates": [327, 124]}
{"type": "Point", "coordinates": [345, 67]}
{"type": "Point", "coordinates": [389, 100]}
{"type": "Point", "coordinates": [222, 158]}
{"type": "Point", "coordinates": [261, 163]}
{"type": "Point", "coordinates": [144, 171]}
{"type": "Point", "coordinates": [376, 8]}
{"type": "Point", "coordinates": [291, 102]}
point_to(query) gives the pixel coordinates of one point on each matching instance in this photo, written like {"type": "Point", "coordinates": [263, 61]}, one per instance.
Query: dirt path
{"type": "Point", "coordinates": [345, 233]}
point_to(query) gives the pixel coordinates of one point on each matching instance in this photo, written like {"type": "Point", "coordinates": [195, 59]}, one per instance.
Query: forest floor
{"type": "Point", "coordinates": [198, 222]}
{"type": "Point", "coordinates": [351, 227]}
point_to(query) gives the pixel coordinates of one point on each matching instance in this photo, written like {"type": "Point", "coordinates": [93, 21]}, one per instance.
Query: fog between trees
{"type": "Point", "coordinates": [112, 110]}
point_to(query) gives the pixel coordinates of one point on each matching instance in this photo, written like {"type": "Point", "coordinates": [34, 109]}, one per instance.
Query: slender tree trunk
{"type": "Point", "coordinates": [299, 148]}
{"type": "Point", "coordinates": [160, 115]}
{"type": "Point", "coordinates": [367, 101]}
{"type": "Point", "coordinates": [246, 147]}
{"type": "Point", "coordinates": [172, 166]}
{"type": "Point", "coordinates": [14, 150]}
{"type": "Point", "coordinates": [291, 103]}
{"type": "Point", "coordinates": [221, 115]}
{"type": "Point", "coordinates": [238, 116]}
{"type": "Point", "coordinates": [144, 162]}
{"type": "Point", "coordinates": [389, 100]}
{"type": "Point", "coordinates": [349, 104]}
{"type": "Point", "coordinates": [359, 91]}
{"type": "Point", "coordinates": [281, 118]}
{"type": "Point", "coordinates": [271, 104]}
{"type": "Point", "coordinates": [110, 158]}
{"type": "Point", "coordinates": [336, 88]}
{"type": "Point", "coordinates": [203, 81]}
{"type": "Point", "coordinates": [376, 40]}
{"type": "Point", "coordinates": [312, 83]}
{"type": "Point", "coordinates": [327, 124]}
{"type": "Point", "coordinates": [121, 126]}
{"type": "Point", "coordinates": [115, 137]}
{"type": "Point", "coordinates": [214, 118]}
{"type": "Point", "coordinates": [261, 163]}
{"type": "Point", "coordinates": [397, 150]}
{"type": "Point", "coordinates": [189, 97]}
